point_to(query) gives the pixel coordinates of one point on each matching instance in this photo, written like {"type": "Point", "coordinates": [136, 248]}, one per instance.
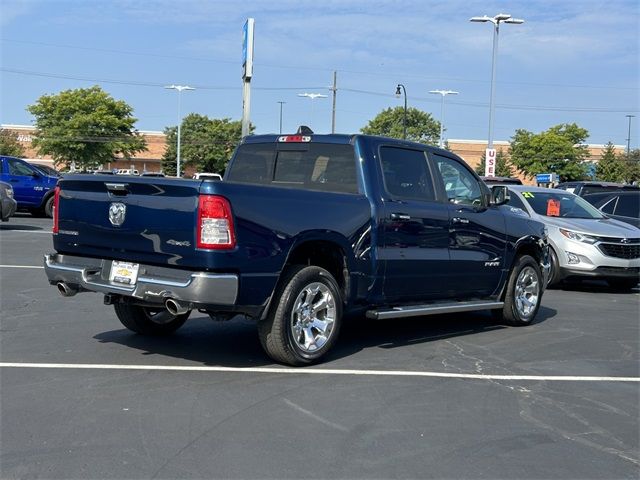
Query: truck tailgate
{"type": "Point", "coordinates": [159, 219]}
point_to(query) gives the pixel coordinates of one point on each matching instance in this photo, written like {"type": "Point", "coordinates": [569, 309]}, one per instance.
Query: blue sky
{"type": "Point", "coordinates": [572, 61]}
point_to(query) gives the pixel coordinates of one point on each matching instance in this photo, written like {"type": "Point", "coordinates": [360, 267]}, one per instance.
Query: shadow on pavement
{"type": "Point", "coordinates": [592, 286]}
{"type": "Point", "coordinates": [9, 226]}
{"type": "Point", "coordinates": [235, 343]}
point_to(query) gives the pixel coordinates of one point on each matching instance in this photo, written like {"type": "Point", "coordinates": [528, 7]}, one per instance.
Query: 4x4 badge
{"type": "Point", "coordinates": [117, 212]}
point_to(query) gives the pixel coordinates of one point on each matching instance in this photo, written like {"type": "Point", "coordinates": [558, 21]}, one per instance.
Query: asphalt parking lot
{"type": "Point", "coordinates": [454, 396]}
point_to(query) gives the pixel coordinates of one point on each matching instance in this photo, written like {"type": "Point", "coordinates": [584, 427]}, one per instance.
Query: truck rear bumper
{"type": "Point", "coordinates": [154, 284]}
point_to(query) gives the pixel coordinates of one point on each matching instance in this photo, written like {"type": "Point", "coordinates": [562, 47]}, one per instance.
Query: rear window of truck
{"type": "Point", "coordinates": [310, 166]}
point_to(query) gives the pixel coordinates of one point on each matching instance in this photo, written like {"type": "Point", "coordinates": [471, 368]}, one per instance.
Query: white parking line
{"type": "Point", "coordinates": [17, 230]}
{"type": "Point", "coordinates": [20, 266]}
{"type": "Point", "coordinates": [323, 371]}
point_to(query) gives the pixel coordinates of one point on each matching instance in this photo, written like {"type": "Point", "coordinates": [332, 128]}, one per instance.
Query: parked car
{"type": "Point", "coordinates": [593, 186]}
{"type": "Point", "coordinates": [32, 188]}
{"type": "Point", "coordinates": [8, 204]}
{"type": "Point", "coordinates": [623, 205]}
{"type": "Point", "coordinates": [583, 242]}
{"type": "Point", "coordinates": [501, 181]}
{"type": "Point", "coordinates": [127, 171]}
{"type": "Point", "coordinates": [104, 172]}
{"type": "Point", "coordinates": [304, 229]}
{"type": "Point", "coordinates": [203, 175]}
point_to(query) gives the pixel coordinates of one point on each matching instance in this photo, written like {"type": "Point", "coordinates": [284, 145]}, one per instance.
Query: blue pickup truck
{"type": "Point", "coordinates": [303, 230]}
{"type": "Point", "coordinates": [32, 186]}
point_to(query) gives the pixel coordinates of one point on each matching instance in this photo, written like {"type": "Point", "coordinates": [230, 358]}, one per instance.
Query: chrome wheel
{"type": "Point", "coordinates": [527, 292]}
{"type": "Point", "coordinates": [312, 317]}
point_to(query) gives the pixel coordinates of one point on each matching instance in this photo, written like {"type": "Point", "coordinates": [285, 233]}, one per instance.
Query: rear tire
{"type": "Point", "coordinates": [524, 292]}
{"type": "Point", "coordinates": [622, 284]}
{"type": "Point", "coordinates": [149, 321]}
{"type": "Point", "coordinates": [305, 318]}
{"type": "Point", "coordinates": [48, 207]}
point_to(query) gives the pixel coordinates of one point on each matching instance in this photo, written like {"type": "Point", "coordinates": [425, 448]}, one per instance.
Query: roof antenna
{"type": "Point", "coordinates": [304, 130]}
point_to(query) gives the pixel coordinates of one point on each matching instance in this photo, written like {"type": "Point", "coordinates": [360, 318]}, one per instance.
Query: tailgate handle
{"type": "Point", "coordinates": [118, 188]}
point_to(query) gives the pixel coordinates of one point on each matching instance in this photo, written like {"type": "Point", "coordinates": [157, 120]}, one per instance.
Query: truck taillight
{"type": "Point", "coordinates": [56, 208]}
{"type": "Point", "coordinates": [215, 223]}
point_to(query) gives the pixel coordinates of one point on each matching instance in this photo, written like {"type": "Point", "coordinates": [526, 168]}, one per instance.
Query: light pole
{"type": "Point", "coordinates": [404, 118]}
{"type": "Point", "coordinates": [179, 88]}
{"type": "Point", "coordinates": [629, 135]}
{"type": "Point", "coordinates": [281, 103]}
{"type": "Point", "coordinates": [497, 20]}
{"type": "Point", "coordinates": [313, 97]}
{"type": "Point", "coordinates": [442, 93]}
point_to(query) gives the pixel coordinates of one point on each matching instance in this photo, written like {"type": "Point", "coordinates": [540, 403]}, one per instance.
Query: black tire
{"type": "Point", "coordinates": [622, 284]}
{"type": "Point", "coordinates": [48, 207]}
{"type": "Point", "coordinates": [524, 284]}
{"type": "Point", "coordinates": [554, 273]}
{"type": "Point", "coordinates": [290, 325]}
{"type": "Point", "coordinates": [147, 321]}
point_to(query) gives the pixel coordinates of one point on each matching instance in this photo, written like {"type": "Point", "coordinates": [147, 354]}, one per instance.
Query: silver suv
{"type": "Point", "coordinates": [584, 242]}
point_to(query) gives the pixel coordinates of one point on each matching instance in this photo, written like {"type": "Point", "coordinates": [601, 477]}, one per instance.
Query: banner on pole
{"type": "Point", "coordinates": [490, 162]}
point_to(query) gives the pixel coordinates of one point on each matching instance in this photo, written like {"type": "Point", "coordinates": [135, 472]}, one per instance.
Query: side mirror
{"type": "Point", "coordinates": [35, 174]}
{"type": "Point", "coordinates": [499, 195]}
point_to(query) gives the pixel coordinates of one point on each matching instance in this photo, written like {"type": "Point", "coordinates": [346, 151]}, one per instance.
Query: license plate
{"type": "Point", "coordinates": [124, 272]}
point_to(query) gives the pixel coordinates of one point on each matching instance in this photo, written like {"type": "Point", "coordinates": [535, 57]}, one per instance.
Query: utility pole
{"type": "Point", "coordinates": [334, 89]}
{"type": "Point", "coordinates": [247, 73]}
{"type": "Point", "coordinates": [442, 93]}
{"type": "Point", "coordinates": [629, 135]}
{"type": "Point", "coordinates": [281, 103]}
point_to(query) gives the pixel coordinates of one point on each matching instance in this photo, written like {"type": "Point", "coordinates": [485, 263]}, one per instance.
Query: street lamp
{"type": "Point", "coordinates": [312, 96]}
{"type": "Point", "coordinates": [179, 88]}
{"type": "Point", "coordinates": [497, 20]}
{"type": "Point", "coordinates": [442, 93]}
{"type": "Point", "coordinates": [281, 103]}
{"type": "Point", "coordinates": [404, 119]}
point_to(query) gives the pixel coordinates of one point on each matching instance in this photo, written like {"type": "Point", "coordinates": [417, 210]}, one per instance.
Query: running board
{"type": "Point", "coordinates": [433, 309]}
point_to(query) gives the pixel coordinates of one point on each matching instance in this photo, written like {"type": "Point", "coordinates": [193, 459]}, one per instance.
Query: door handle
{"type": "Point", "coordinates": [460, 220]}
{"type": "Point", "coordinates": [400, 216]}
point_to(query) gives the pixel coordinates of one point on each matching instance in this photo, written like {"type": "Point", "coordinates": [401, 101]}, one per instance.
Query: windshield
{"type": "Point", "coordinates": [560, 204]}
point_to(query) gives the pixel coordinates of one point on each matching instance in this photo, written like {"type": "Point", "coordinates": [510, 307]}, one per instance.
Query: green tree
{"type": "Point", "coordinates": [611, 167]}
{"type": "Point", "coordinates": [503, 167]}
{"type": "Point", "coordinates": [206, 143]}
{"type": "Point", "coordinates": [9, 144]}
{"type": "Point", "coordinates": [558, 150]}
{"type": "Point", "coordinates": [85, 126]}
{"type": "Point", "coordinates": [421, 126]}
{"type": "Point", "coordinates": [631, 166]}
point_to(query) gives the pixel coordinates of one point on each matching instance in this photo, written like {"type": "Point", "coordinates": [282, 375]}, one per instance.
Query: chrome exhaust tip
{"type": "Point", "coordinates": [66, 290]}
{"type": "Point", "coordinates": [175, 307]}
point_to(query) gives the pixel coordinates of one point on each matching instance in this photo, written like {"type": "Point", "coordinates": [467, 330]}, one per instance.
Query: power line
{"type": "Point", "coordinates": [502, 106]}
{"type": "Point", "coordinates": [135, 83]}
{"type": "Point", "coordinates": [298, 67]}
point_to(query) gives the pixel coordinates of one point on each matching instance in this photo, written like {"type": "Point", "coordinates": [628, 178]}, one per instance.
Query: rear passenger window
{"type": "Point", "coordinates": [311, 166]}
{"type": "Point", "coordinates": [610, 206]}
{"type": "Point", "coordinates": [406, 173]}
{"type": "Point", "coordinates": [628, 206]}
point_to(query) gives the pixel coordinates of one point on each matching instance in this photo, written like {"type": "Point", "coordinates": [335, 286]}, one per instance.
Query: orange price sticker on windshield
{"type": "Point", "coordinates": [553, 208]}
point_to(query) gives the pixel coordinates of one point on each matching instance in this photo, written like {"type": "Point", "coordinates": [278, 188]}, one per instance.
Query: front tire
{"type": "Point", "coordinates": [554, 274]}
{"type": "Point", "coordinates": [524, 292]}
{"type": "Point", "coordinates": [149, 321]}
{"type": "Point", "coordinates": [304, 322]}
